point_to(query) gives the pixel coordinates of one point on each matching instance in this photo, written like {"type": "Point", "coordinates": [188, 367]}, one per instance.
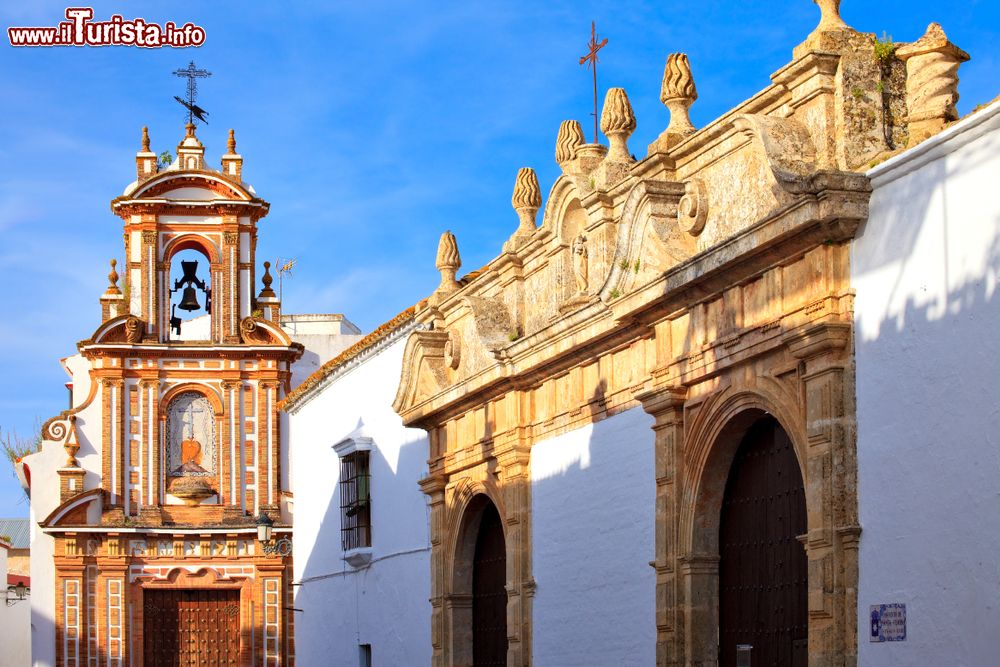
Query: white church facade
{"type": "Point", "coordinates": [750, 317]}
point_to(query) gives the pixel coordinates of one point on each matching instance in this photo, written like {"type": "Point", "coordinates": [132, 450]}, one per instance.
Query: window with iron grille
{"type": "Point", "coordinates": [355, 501]}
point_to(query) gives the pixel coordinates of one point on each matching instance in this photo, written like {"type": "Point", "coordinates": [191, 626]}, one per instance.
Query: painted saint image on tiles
{"type": "Point", "coordinates": [190, 436]}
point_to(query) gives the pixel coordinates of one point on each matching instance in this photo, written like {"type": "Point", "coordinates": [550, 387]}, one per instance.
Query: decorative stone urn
{"type": "Point", "coordinates": [192, 490]}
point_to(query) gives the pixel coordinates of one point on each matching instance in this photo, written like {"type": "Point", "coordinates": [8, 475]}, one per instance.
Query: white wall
{"type": "Point", "coordinates": [926, 268]}
{"type": "Point", "coordinates": [593, 500]}
{"type": "Point", "coordinates": [45, 498]}
{"type": "Point", "coordinates": [385, 604]}
{"type": "Point", "coordinates": [15, 623]}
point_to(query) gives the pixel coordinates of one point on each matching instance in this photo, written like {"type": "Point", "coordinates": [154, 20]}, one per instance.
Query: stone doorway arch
{"type": "Point", "coordinates": [762, 563]}
{"type": "Point", "coordinates": [479, 595]}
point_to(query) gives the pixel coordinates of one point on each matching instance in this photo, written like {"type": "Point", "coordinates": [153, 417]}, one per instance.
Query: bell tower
{"type": "Point", "coordinates": [148, 492]}
{"type": "Point", "coordinates": [187, 206]}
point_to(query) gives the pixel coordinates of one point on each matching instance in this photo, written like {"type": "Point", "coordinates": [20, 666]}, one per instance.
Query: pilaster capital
{"type": "Point", "coordinates": [233, 385]}
{"type": "Point", "coordinates": [817, 339]}
{"type": "Point", "coordinates": [148, 237]}
{"type": "Point", "coordinates": [434, 485]}
{"type": "Point", "coordinates": [661, 401]}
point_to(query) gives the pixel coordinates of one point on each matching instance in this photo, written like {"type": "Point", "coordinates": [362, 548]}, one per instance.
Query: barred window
{"type": "Point", "coordinates": [355, 501]}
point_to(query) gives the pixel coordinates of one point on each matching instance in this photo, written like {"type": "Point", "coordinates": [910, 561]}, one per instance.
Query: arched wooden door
{"type": "Point", "coordinates": [762, 572]}
{"type": "Point", "coordinates": [489, 592]}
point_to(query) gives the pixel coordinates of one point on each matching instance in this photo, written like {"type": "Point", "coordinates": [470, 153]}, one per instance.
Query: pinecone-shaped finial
{"type": "Point", "coordinates": [617, 123]}
{"type": "Point", "coordinates": [678, 92]}
{"type": "Point", "coordinates": [448, 262]}
{"type": "Point", "coordinates": [231, 143]}
{"type": "Point", "coordinates": [569, 139]}
{"type": "Point", "coordinates": [145, 139]}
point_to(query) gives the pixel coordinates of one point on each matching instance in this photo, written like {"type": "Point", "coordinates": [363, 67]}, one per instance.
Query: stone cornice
{"type": "Point", "coordinates": [830, 213]}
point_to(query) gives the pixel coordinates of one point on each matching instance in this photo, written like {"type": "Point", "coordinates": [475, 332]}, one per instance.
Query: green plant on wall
{"type": "Point", "coordinates": [884, 52]}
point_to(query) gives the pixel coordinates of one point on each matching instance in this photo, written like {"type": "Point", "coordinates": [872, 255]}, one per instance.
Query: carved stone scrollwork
{"type": "Point", "coordinates": [453, 350]}
{"type": "Point", "coordinates": [692, 211]}
{"type": "Point", "coordinates": [149, 237]}
{"type": "Point", "coordinates": [133, 330]}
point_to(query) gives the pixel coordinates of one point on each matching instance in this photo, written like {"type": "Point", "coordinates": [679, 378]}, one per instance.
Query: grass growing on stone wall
{"type": "Point", "coordinates": [16, 447]}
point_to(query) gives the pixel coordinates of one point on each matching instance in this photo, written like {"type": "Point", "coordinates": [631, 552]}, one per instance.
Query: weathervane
{"type": "Point", "coordinates": [591, 59]}
{"type": "Point", "coordinates": [285, 267]}
{"type": "Point", "coordinates": [192, 74]}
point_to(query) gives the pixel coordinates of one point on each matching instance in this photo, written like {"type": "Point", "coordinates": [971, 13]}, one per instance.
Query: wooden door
{"type": "Point", "coordinates": [489, 593]}
{"type": "Point", "coordinates": [762, 572]}
{"type": "Point", "coordinates": [191, 628]}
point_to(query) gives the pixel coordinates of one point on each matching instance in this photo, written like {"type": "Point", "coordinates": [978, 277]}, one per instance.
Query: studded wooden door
{"type": "Point", "coordinates": [191, 628]}
{"type": "Point", "coordinates": [762, 572]}
{"type": "Point", "coordinates": [489, 593]}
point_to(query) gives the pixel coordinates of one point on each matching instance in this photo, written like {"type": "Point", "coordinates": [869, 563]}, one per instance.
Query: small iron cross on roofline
{"type": "Point", "coordinates": [591, 59]}
{"type": "Point", "coordinates": [192, 74]}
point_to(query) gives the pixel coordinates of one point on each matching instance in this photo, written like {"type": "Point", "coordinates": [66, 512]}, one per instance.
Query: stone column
{"type": "Point", "coordinates": [516, 485]}
{"type": "Point", "coordinates": [226, 295]}
{"type": "Point", "coordinates": [149, 300]}
{"type": "Point", "coordinates": [434, 486]}
{"type": "Point", "coordinates": [666, 406]}
{"type": "Point", "coordinates": [832, 537]}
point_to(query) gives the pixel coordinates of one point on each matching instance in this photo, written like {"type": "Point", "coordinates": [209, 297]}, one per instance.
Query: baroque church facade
{"type": "Point", "coordinates": [148, 492]}
{"type": "Point", "coordinates": [652, 430]}
{"type": "Point", "coordinates": [661, 426]}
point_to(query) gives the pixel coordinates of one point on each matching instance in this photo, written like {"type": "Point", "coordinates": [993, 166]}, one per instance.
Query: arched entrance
{"type": "Point", "coordinates": [762, 567]}
{"type": "Point", "coordinates": [489, 592]}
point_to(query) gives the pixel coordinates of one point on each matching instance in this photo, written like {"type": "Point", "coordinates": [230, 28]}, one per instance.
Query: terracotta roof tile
{"type": "Point", "coordinates": [330, 366]}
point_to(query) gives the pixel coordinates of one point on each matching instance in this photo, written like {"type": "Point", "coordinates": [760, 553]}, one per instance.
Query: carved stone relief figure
{"type": "Point", "coordinates": [580, 269]}
{"type": "Point", "coordinates": [190, 436]}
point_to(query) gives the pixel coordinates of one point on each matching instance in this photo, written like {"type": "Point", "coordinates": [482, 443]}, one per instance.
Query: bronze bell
{"type": "Point", "coordinates": [190, 300]}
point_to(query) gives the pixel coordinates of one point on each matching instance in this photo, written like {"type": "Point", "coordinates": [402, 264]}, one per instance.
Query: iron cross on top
{"type": "Point", "coordinates": [591, 59]}
{"type": "Point", "coordinates": [192, 74]}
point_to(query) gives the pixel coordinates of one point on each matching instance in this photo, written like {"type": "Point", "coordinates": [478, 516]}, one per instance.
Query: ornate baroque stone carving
{"type": "Point", "coordinates": [448, 262]}
{"type": "Point", "coordinates": [453, 350]}
{"type": "Point", "coordinates": [692, 211]}
{"type": "Point", "coordinates": [580, 268]}
{"type": "Point", "coordinates": [568, 141]}
{"type": "Point", "coordinates": [526, 200]}
{"type": "Point", "coordinates": [133, 330]}
{"type": "Point", "coordinates": [617, 122]}
{"type": "Point", "coordinates": [931, 82]}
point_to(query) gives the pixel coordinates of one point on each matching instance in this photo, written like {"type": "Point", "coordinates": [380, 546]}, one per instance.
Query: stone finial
{"type": "Point", "coordinates": [448, 262]}
{"type": "Point", "coordinates": [829, 18]}
{"type": "Point", "coordinates": [931, 82]}
{"type": "Point", "coordinates": [568, 141]}
{"type": "Point", "coordinates": [617, 123]}
{"type": "Point", "coordinates": [72, 444]}
{"type": "Point", "coordinates": [145, 160]}
{"type": "Point", "coordinates": [527, 198]}
{"type": "Point", "coordinates": [678, 93]}
{"type": "Point", "coordinates": [267, 279]}
{"type": "Point", "coordinates": [113, 279]}
{"type": "Point", "coordinates": [232, 162]}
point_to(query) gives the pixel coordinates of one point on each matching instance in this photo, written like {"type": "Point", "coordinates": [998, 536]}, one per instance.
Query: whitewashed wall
{"type": "Point", "coordinates": [593, 494]}
{"type": "Point", "coordinates": [15, 624]}
{"type": "Point", "coordinates": [926, 269]}
{"type": "Point", "coordinates": [45, 498]}
{"type": "Point", "coordinates": [385, 604]}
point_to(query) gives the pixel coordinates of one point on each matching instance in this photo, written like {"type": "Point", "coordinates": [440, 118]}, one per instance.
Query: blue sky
{"type": "Point", "coordinates": [371, 127]}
